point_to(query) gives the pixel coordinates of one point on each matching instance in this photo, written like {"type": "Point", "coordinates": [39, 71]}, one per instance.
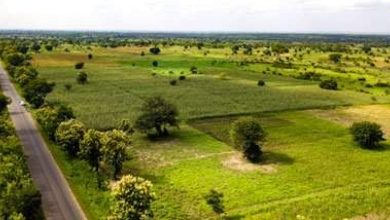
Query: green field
{"type": "Point", "coordinates": [312, 167]}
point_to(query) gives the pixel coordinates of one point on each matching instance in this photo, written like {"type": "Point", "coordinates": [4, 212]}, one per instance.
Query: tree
{"type": "Point", "coordinates": [335, 57]}
{"type": "Point", "coordinates": [367, 134]}
{"type": "Point", "coordinates": [51, 116]}
{"type": "Point", "coordinates": [194, 70]}
{"type": "Point", "coordinates": [90, 56]}
{"type": "Point", "coordinates": [157, 114]}
{"type": "Point", "coordinates": [79, 65]}
{"type": "Point", "coordinates": [155, 63]}
{"type": "Point", "coordinates": [90, 148]}
{"type": "Point", "coordinates": [330, 84]}
{"type": "Point", "coordinates": [261, 83]}
{"type": "Point", "coordinates": [155, 50]}
{"type": "Point", "coordinates": [36, 47]}
{"type": "Point", "coordinates": [115, 144]}
{"type": "Point", "coordinates": [246, 135]}
{"type": "Point", "coordinates": [82, 77]}
{"type": "Point", "coordinates": [69, 135]}
{"type": "Point", "coordinates": [49, 47]}
{"type": "Point", "coordinates": [24, 74]}
{"type": "Point", "coordinates": [215, 200]}
{"type": "Point", "coordinates": [36, 91]}
{"type": "Point", "coordinates": [133, 197]}
{"type": "Point", "coordinates": [15, 59]}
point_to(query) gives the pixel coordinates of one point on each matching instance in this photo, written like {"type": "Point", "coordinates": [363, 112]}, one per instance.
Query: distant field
{"type": "Point", "coordinates": [121, 78]}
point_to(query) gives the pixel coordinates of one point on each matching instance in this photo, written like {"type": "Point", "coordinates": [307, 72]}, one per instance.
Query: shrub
{"type": "Point", "coordinates": [215, 200]}
{"type": "Point", "coordinates": [173, 82]}
{"type": "Point", "coordinates": [68, 86]}
{"type": "Point", "coordinates": [82, 77]}
{"type": "Point", "coordinates": [36, 91]}
{"type": "Point", "coordinates": [367, 134]}
{"type": "Point", "coordinates": [194, 70]}
{"type": "Point", "coordinates": [155, 63]}
{"type": "Point", "coordinates": [335, 57]}
{"type": "Point", "coordinates": [261, 83]}
{"type": "Point", "coordinates": [328, 84]}
{"type": "Point", "coordinates": [182, 77]}
{"type": "Point", "coordinates": [90, 56]}
{"type": "Point", "coordinates": [79, 65]}
{"type": "Point", "coordinates": [3, 102]}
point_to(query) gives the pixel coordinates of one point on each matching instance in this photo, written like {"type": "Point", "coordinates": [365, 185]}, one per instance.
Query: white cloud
{"type": "Point", "coordinates": [370, 16]}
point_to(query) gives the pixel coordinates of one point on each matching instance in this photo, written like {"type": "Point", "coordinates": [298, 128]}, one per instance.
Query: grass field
{"type": "Point", "coordinates": [120, 79]}
{"type": "Point", "coordinates": [312, 167]}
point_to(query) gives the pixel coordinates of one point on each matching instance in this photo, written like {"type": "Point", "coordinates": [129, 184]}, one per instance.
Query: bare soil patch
{"type": "Point", "coordinates": [238, 163]}
{"type": "Point", "coordinates": [348, 115]}
{"type": "Point", "coordinates": [371, 217]}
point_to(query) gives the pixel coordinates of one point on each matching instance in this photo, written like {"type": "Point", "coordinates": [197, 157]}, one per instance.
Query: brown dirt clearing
{"type": "Point", "coordinates": [348, 115]}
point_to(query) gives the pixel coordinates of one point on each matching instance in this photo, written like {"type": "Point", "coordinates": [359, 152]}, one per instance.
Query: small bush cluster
{"type": "Point", "coordinates": [328, 84]}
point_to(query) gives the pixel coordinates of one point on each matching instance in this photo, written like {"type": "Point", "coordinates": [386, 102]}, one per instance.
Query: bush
{"type": "Point", "coordinates": [36, 91]}
{"type": "Point", "coordinates": [79, 65]}
{"type": "Point", "coordinates": [194, 70]}
{"type": "Point", "coordinates": [82, 77]}
{"type": "Point", "coordinates": [182, 77]}
{"type": "Point", "coordinates": [328, 84]}
{"type": "Point", "coordinates": [155, 63]}
{"type": "Point", "coordinates": [90, 56]}
{"type": "Point", "coordinates": [215, 200]}
{"type": "Point", "coordinates": [367, 134]}
{"type": "Point", "coordinates": [335, 57]}
{"type": "Point", "coordinates": [261, 83]}
{"type": "Point", "coordinates": [173, 82]}
{"type": "Point", "coordinates": [68, 86]}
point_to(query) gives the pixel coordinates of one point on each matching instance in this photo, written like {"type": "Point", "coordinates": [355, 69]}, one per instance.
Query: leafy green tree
{"type": "Point", "coordinates": [36, 47]}
{"type": "Point", "coordinates": [79, 65]}
{"type": "Point", "coordinates": [82, 77]}
{"type": "Point", "coordinates": [246, 135]}
{"type": "Point", "coordinates": [91, 148]}
{"type": "Point", "coordinates": [51, 116]}
{"type": "Point", "coordinates": [23, 75]}
{"type": "Point", "coordinates": [15, 59]}
{"type": "Point", "coordinates": [36, 91]}
{"type": "Point", "coordinates": [69, 135]}
{"type": "Point", "coordinates": [115, 144]}
{"type": "Point", "coordinates": [155, 50]}
{"type": "Point", "coordinates": [215, 200]}
{"type": "Point", "coordinates": [335, 57]}
{"type": "Point", "coordinates": [49, 47]}
{"type": "Point", "coordinates": [157, 114]}
{"type": "Point", "coordinates": [367, 134]}
{"type": "Point", "coordinates": [133, 197]}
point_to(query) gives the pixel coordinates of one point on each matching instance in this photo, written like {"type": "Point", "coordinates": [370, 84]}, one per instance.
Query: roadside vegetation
{"type": "Point", "coordinates": [19, 198]}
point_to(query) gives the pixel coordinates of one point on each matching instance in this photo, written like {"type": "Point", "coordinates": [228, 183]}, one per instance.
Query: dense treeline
{"type": "Point", "coordinates": [19, 199]}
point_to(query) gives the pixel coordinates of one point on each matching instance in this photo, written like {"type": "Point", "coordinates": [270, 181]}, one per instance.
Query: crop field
{"type": "Point", "coordinates": [312, 168]}
{"type": "Point", "coordinates": [119, 79]}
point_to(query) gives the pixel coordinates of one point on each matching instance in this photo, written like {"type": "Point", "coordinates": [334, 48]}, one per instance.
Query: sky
{"type": "Point", "coordinates": [295, 16]}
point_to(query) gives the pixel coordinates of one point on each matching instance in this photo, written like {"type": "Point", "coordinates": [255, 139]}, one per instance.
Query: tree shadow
{"type": "Point", "coordinates": [278, 158]}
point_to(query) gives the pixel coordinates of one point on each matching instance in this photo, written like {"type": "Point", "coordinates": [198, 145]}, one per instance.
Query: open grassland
{"type": "Point", "coordinates": [120, 79]}
{"type": "Point", "coordinates": [312, 167]}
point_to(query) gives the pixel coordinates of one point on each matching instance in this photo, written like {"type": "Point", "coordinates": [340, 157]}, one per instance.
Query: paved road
{"type": "Point", "coordinates": [58, 201]}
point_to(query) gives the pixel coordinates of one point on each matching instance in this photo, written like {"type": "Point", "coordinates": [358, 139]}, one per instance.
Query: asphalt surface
{"type": "Point", "coordinates": [58, 201]}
